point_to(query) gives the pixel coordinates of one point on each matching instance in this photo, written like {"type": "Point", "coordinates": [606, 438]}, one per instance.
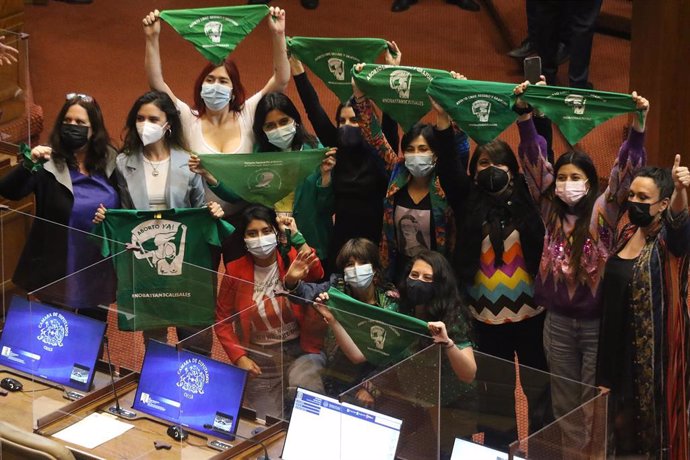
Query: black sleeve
{"type": "Point", "coordinates": [323, 126]}
{"type": "Point", "coordinates": [390, 130]}
{"type": "Point", "coordinates": [451, 170]}
{"type": "Point", "coordinates": [17, 183]}
{"type": "Point", "coordinates": [544, 129]}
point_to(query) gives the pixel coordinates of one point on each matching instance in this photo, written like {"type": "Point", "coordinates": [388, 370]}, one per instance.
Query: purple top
{"type": "Point", "coordinates": [556, 286]}
{"type": "Point", "coordinates": [92, 286]}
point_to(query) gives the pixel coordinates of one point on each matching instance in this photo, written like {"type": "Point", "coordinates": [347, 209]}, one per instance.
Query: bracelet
{"type": "Point", "coordinates": [522, 110]}
{"type": "Point", "coordinates": [449, 344]}
{"type": "Point", "coordinates": [297, 240]}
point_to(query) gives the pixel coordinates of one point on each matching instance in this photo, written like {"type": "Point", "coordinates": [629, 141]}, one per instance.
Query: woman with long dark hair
{"type": "Point", "coordinates": [645, 329]}
{"type": "Point", "coordinates": [580, 236]}
{"type": "Point", "coordinates": [69, 179]}
{"type": "Point", "coordinates": [265, 334]}
{"type": "Point", "coordinates": [278, 127]}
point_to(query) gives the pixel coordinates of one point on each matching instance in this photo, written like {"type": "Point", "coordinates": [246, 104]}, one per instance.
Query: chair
{"type": "Point", "coordinates": [16, 444]}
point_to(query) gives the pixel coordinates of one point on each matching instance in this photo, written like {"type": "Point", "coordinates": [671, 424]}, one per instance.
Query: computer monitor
{"type": "Point", "coordinates": [190, 390]}
{"type": "Point", "coordinates": [463, 449]}
{"type": "Point", "coordinates": [51, 343]}
{"type": "Point", "coordinates": [322, 427]}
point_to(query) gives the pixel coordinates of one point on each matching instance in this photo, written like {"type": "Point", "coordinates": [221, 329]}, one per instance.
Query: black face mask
{"type": "Point", "coordinates": [74, 137]}
{"type": "Point", "coordinates": [639, 213]}
{"type": "Point", "coordinates": [493, 179]}
{"type": "Point", "coordinates": [350, 137]}
{"type": "Point", "coordinates": [419, 292]}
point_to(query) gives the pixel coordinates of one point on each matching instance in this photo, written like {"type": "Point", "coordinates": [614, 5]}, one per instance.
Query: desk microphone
{"type": "Point", "coordinates": [116, 409]}
{"type": "Point", "coordinates": [208, 426]}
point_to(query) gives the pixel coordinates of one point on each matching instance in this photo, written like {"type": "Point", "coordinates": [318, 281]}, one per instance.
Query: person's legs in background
{"type": "Point", "coordinates": [546, 40]}
{"type": "Point", "coordinates": [582, 16]}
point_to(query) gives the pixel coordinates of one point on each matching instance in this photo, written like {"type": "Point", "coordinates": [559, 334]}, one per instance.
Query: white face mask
{"type": "Point", "coordinates": [282, 136]}
{"type": "Point", "coordinates": [571, 191]}
{"type": "Point", "coordinates": [150, 133]}
{"type": "Point", "coordinates": [419, 165]}
{"type": "Point", "coordinates": [359, 276]}
{"type": "Point", "coordinates": [262, 246]}
{"type": "Point", "coordinates": [216, 96]}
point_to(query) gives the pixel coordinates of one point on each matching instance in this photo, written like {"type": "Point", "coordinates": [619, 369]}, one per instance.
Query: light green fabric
{"type": "Point", "coordinates": [215, 32]}
{"type": "Point", "coordinates": [331, 59]}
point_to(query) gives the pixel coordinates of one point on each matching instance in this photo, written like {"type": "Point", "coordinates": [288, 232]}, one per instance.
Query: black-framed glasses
{"type": "Point", "coordinates": [80, 96]}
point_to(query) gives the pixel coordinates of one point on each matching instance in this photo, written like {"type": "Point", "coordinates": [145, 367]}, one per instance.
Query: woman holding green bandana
{"type": "Point", "coordinates": [416, 214]}
{"type": "Point", "coordinates": [221, 118]}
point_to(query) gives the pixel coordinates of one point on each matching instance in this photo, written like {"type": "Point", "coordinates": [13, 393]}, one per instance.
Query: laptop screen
{"type": "Point", "coordinates": [50, 343]}
{"type": "Point", "coordinates": [466, 449]}
{"type": "Point", "coordinates": [191, 390]}
{"type": "Point", "coordinates": [321, 427]}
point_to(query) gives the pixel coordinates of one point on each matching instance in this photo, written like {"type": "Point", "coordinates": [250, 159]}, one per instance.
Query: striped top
{"type": "Point", "coordinates": [503, 294]}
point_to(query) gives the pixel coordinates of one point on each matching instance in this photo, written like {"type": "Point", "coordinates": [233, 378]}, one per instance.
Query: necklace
{"type": "Point", "coordinates": [154, 166]}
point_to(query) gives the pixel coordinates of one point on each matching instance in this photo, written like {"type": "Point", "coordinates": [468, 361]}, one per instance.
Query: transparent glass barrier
{"type": "Point", "coordinates": [20, 119]}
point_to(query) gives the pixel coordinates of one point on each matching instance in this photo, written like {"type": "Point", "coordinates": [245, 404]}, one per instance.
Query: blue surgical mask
{"type": "Point", "coordinates": [282, 136]}
{"type": "Point", "coordinates": [359, 276]}
{"type": "Point", "coordinates": [216, 96]}
{"type": "Point", "coordinates": [419, 165]}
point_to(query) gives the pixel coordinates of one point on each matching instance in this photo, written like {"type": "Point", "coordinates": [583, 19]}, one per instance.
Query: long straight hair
{"type": "Point", "coordinates": [279, 101]}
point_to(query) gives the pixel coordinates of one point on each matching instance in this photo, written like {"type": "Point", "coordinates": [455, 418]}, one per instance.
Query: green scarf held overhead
{"type": "Point", "coordinates": [265, 177]}
{"type": "Point", "coordinates": [383, 336]}
{"type": "Point", "coordinates": [482, 109]}
{"type": "Point", "coordinates": [215, 32]}
{"type": "Point", "coordinates": [397, 90]}
{"type": "Point", "coordinates": [331, 59]}
{"type": "Point", "coordinates": [577, 111]}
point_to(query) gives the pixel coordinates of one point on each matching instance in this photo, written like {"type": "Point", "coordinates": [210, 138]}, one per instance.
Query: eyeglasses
{"type": "Point", "coordinates": [80, 96]}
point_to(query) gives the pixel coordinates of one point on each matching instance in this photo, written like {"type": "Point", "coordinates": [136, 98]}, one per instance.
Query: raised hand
{"type": "Point", "coordinates": [41, 152]}
{"type": "Point", "coordinates": [641, 104]}
{"type": "Point", "coordinates": [681, 174]}
{"type": "Point", "coordinates": [152, 24]}
{"type": "Point", "coordinates": [299, 268]}
{"type": "Point", "coordinates": [438, 332]}
{"type": "Point", "coordinates": [457, 76]}
{"type": "Point", "coordinates": [276, 20]}
{"type": "Point", "coordinates": [216, 210]}
{"type": "Point", "coordinates": [327, 165]}
{"type": "Point", "coordinates": [194, 165]}
{"type": "Point", "coordinates": [287, 223]}
{"type": "Point", "coordinates": [393, 54]}
{"type": "Point", "coordinates": [7, 53]}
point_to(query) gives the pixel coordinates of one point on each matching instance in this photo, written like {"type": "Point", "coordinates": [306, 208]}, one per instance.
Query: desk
{"type": "Point", "coordinates": [138, 442]}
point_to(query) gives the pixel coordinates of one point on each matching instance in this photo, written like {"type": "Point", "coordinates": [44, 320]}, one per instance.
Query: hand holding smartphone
{"type": "Point", "coordinates": [532, 68]}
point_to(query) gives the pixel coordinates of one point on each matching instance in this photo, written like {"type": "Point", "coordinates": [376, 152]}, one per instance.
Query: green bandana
{"type": "Point", "coordinates": [331, 59]}
{"type": "Point", "coordinates": [398, 91]}
{"type": "Point", "coordinates": [383, 336]}
{"type": "Point", "coordinates": [481, 109]}
{"type": "Point", "coordinates": [215, 32]}
{"type": "Point", "coordinates": [577, 111]}
{"type": "Point", "coordinates": [264, 178]}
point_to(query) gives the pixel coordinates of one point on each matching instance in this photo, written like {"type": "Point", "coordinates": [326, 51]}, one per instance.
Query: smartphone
{"type": "Point", "coordinates": [532, 68]}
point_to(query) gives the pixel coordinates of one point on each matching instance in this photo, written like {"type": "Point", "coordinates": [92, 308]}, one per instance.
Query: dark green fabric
{"type": "Point", "coordinates": [399, 91]}
{"type": "Point", "coordinates": [215, 32]}
{"type": "Point", "coordinates": [383, 336]}
{"type": "Point", "coordinates": [332, 59]}
{"type": "Point", "coordinates": [166, 278]}
{"type": "Point", "coordinates": [482, 109]}
{"type": "Point", "coordinates": [577, 111]}
{"type": "Point", "coordinates": [265, 177]}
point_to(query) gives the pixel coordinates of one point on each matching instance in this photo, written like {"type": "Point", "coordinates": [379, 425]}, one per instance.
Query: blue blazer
{"type": "Point", "coordinates": [184, 189]}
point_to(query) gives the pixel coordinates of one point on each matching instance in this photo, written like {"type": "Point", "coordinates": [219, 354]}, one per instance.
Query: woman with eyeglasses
{"type": "Point", "coordinates": [220, 119]}
{"type": "Point", "coordinates": [70, 178]}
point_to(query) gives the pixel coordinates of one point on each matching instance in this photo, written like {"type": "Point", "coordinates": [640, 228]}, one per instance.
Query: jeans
{"type": "Point", "coordinates": [571, 352]}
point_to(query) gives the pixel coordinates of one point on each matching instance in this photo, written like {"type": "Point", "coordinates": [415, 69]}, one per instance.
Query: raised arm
{"type": "Point", "coordinates": [323, 126]}
{"type": "Point", "coordinates": [461, 357]}
{"type": "Point", "coordinates": [152, 56]}
{"type": "Point", "coordinates": [371, 128]}
{"type": "Point", "coordinates": [678, 236]}
{"type": "Point", "coordinates": [342, 338]}
{"type": "Point", "coordinates": [281, 68]}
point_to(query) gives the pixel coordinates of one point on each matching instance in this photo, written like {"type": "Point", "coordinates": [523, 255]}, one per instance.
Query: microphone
{"type": "Point", "coordinates": [209, 426]}
{"type": "Point", "coordinates": [116, 409]}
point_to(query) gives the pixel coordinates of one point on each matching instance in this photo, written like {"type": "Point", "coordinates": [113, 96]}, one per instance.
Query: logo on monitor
{"type": "Point", "coordinates": [193, 375]}
{"type": "Point", "coordinates": [378, 335]}
{"type": "Point", "coordinates": [54, 328]}
{"type": "Point", "coordinates": [162, 243]}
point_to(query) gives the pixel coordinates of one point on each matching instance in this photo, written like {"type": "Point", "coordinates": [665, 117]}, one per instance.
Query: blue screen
{"type": "Point", "coordinates": [191, 390]}
{"type": "Point", "coordinates": [50, 343]}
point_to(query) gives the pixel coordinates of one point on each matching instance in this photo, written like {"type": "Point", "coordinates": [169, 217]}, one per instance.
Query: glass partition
{"type": "Point", "coordinates": [20, 119]}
